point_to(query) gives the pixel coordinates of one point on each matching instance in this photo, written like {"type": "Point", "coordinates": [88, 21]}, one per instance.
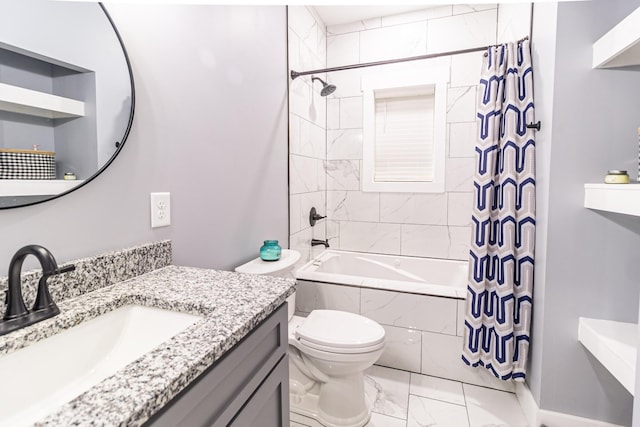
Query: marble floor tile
{"type": "Point", "coordinates": [492, 407]}
{"type": "Point", "coordinates": [434, 413]}
{"type": "Point", "coordinates": [387, 391]}
{"type": "Point", "coordinates": [437, 389]}
{"type": "Point", "coordinates": [379, 420]}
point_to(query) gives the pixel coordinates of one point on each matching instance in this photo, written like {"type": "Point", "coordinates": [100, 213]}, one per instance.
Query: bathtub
{"type": "Point", "coordinates": [424, 276]}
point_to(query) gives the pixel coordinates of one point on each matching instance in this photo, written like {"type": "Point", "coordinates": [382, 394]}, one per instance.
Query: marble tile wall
{"type": "Point", "coordinates": [423, 333]}
{"type": "Point", "coordinates": [307, 130]}
{"type": "Point", "coordinates": [428, 225]}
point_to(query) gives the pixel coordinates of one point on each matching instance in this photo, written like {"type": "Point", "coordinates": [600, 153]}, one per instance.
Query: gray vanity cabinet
{"type": "Point", "coordinates": [248, 386]}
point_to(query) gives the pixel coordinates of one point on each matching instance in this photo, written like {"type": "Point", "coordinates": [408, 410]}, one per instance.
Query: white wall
{"type": "Point", "coordinates": [210, 127]}
{"type": "Point", "coordinates": [588, 265]}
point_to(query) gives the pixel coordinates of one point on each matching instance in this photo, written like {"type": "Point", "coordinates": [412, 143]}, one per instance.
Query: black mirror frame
{"type": "Point", "coordinates": [120, 143]}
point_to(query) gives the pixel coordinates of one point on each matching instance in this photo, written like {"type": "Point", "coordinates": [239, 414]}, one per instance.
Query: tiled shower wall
{"type": "Point", "coordinates": [307, 130]}
{"type": "Point", "coordinates": [417, 224]}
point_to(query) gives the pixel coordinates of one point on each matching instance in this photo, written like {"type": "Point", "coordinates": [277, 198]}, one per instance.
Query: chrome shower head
{"type": "Point", "coordinates": [327, 89]}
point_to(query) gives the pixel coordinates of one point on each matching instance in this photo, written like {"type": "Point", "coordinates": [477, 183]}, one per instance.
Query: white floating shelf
{"type": "Point", "coordinates": [619, 198]}
{"type": "Point", "coordinates": [614, 345]}
{"type": "Point", "coordinates": [35, 187]}
{"type": "Point", "coordinates": [621, 45]}
{"type": "Point", "coordinates": [26, 101]}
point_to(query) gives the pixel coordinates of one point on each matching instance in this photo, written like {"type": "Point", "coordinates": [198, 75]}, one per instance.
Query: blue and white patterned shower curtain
{"type": "Point", "coordinates": [500, 287]}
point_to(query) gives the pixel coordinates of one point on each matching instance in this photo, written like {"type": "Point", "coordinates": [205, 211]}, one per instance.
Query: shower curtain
{"type": "Point", "coordinates": [501, 259]}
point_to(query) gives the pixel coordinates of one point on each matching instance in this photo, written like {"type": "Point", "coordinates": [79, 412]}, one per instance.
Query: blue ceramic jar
{"type": "Point", "coordinates": [270, 251]}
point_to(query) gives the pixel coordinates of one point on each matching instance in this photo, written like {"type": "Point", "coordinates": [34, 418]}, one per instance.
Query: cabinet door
{"type": "Point", "coordinates": [214, 398]}
{"type": "Point", "coordinates": [269, 405]}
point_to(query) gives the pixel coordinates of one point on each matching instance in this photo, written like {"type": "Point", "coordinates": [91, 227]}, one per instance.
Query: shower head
{"type": "Point", "coordinates": [327, 89]}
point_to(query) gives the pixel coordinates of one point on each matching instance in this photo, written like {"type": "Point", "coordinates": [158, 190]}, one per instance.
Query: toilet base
{"type": "Point", "coordinates": [307, 406]}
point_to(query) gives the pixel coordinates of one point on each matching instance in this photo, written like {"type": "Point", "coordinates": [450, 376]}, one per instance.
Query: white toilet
{"type": "Point", "coordinates": [328, 353]}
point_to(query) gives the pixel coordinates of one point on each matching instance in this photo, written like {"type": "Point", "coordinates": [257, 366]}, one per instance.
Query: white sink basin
{"type": "Point", "coordinates": [39, 378]}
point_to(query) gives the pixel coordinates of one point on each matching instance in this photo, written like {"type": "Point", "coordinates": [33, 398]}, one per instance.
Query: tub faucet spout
{"type": "Point", "coordinates": [316, 242]}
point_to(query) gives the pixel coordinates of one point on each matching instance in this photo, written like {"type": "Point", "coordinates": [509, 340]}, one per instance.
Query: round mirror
{"type": "Point", "coordinates": [66, 98]}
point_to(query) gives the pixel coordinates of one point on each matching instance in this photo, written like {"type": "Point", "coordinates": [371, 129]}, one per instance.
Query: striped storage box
{"type": "Point", "coordinates": [27, 164]}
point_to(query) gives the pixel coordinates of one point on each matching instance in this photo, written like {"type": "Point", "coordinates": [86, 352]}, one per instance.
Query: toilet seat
{"type": "Point", "coordinates": [339, 332]}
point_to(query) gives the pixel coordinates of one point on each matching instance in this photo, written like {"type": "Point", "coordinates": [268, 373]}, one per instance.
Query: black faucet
{"type": "Point", "coordinates": [17, 316]}
{"type": "Point", "coordinates": [316, 242]}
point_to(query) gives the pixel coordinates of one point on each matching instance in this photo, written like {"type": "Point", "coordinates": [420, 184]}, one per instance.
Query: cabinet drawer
{"type": "Point", "coordinates": [217, 395]}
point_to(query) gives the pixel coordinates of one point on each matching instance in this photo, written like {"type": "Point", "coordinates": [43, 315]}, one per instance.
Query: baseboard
{"type": "Point", "coordinates": [537, 417]}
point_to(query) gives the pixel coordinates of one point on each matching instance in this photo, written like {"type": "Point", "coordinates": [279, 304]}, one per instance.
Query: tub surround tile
{"type": "Point", "coordinates": [301, 242]}
{"type": "Point", "coordinates": [300, 98]}
{"type": "Point", "coordinates": [461, 104]}
{"type": "Point", "coordinates": [462, 139]}
{"type": "Point", "coordinates": [386, 391]}
{"type": "Point", "coordinates": [303, 23]}
{"type": "Point", "coordinates": [428, 412]}
{"type": "Point", "coordinates": [513, 21]}
{"type": "Point", "coordinates": [312, 140]}
{"type": "Point", "coordinates": [425, 240]}
{"type": "Point", "coordinates": [370, 237]}
{"type": "Point", "coordinates": [416, 16]}
{"type": "Point", "coordinates": [437, 389]}
{"type": "Point", "coordinates": [402, 349]}
{"type": "Point", "coordinates": [459, 175]}
{"type": "Point", "coordinates": [459, 9]}
{"type": "Point", "coordinates": [413, 208]}
{"type": "Point", "coordinates": [343, 49]}
{"type": "Point", "coordinates": [313, 296]}
{"type": "Point", "coordinates": [342, 174]}
{"type": "Point", "coordinates": [465, 69]}
{"type": "Point", "coordinates": [303, 173]}
{"type": "Point", "coordinates": [351, 113]}
{"type": "Point", "coordinates": [460, 241]}
{"type": "Point", "coordinates": [353, 27]}
{"type": "Point", "coordinates": [348, 82]}
{"type": "Point", "coordinates": [333, 114]}
{"type": "Point", "coordinates": [410, 311]}
{"type": "Point", "coordinates": [353, 206]}
{"type": "Point", "coordinates": [96, 272]}
{"type": "Point", "coordinates": [232, 305]}
{"type": "Point", "coordinates": [459, 209]}
{"type": "Point", "coordinates": [464, 31]}
{"type": "Point", "coordinates": [393, 42]}
{"type": "Point", "coordinates": [493, 407]}
{"type": "Point", "coordinates": [344, 144]}
{"type": "Point", "coordinates": [295, 215]}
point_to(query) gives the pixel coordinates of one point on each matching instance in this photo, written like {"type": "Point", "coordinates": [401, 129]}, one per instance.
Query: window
{"type": "Point", "coordinates": [404, 132]}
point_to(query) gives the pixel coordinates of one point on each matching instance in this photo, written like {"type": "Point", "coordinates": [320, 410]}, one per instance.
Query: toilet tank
{"type": "Point", "coordinates": [284, 267]}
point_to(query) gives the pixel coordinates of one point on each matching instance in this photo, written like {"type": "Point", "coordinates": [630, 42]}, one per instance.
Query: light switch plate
{"type": "Point", "coordinates": [160, 209]}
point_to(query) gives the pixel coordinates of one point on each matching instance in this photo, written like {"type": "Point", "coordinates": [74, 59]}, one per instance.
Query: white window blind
{"type": "Point", "coordinates": [404, 139]}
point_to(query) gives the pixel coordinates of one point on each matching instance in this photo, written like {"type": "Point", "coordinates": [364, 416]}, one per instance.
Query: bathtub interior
{"type": "Point", "coordinates": [376, 267]}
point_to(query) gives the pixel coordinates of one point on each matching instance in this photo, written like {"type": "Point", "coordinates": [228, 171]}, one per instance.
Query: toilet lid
{"type": "Point", "coordinates": [340, 330]}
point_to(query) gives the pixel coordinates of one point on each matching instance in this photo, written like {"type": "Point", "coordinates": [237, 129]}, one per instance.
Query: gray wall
{"type": "Point", "coordinates": [210, 127]}
{"type": "Point", "coordinates": [587, 265]}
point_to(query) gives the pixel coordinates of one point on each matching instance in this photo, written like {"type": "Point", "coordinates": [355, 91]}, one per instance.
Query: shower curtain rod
{"type": "Point", "coordinates": [295, 74]}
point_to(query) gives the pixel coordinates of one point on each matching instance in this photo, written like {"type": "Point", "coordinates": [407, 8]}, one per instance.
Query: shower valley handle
{"type": "Point", "coordinates": [313, 217]}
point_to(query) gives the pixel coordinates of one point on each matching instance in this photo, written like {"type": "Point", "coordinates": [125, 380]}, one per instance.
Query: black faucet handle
{"type": "Point", "coordinates": [314, 216]}
{"type": "Point", "coordinates": [66, 269]}
{"type": "Point", "coordinates": [56, 271]}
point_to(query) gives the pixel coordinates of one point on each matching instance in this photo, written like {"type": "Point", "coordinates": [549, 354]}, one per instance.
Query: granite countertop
{"type": "Point", "coordinates": [232, 305]}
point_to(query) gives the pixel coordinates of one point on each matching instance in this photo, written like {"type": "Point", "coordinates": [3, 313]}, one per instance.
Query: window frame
{"type": "Point", "coordinates": [403, 84]}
